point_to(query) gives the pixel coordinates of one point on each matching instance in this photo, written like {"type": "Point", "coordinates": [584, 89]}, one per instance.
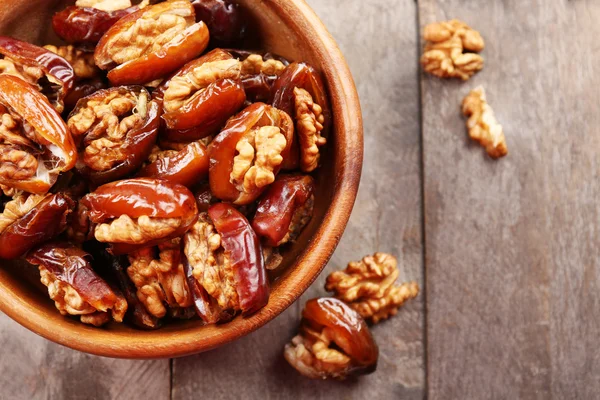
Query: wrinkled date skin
{"type": "Point", "coordinates": [205, 113]}
{"type": "Point", "coordinates": [302, 76]}
{"type": "Point", "coordinates": [356, 339]}
{"type": "Point", "coordinates": [204, 198]}
{"type": "Point", "coordinates": [222, 149]}
{"type": "Point", "coordinates": [58, 73]}
{"type": "Point", "coordinates": [71, 265]}
{"type": "Point", "coordinates": [137, 143]}
{"type": "Point", "coordinates": [278, 204]}
{"type": "Point", "coordinates": [224, 20]}
{"type": "Point", "coordinates": [243, 249]}
{"type": "Point", "coordinates": [151, 64]}
{"type": "Point", "coordinates": [86, 25]}
{"type": "Point", "coordinates": [52, 146]}
{"type": "Point", "coordinates": [188, 167]}
{"type": "Point", "coordinates": [45, 221]}
{"type": "Point", "coordinates": [156, 198]}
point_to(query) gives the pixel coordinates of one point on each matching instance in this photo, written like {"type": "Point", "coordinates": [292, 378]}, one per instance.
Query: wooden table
{"type": "Point", "coordinates": [506, 250]}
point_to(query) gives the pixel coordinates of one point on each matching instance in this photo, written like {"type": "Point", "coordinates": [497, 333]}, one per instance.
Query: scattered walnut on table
{"type": "Point", "coordinates": [482, 124]}
{"type": "Point", "coordinates": [82, 62]}
{"type": "Point", "coordinates": [445, 54]}
{"type": "Point", "coordinates": [259, 154]}
{"type": "Point", "coordinates": [160, 281]}
{"type": "Point", "coordinates": [368, 287]}
{"type": "Point", "coordinates": [309, 123]}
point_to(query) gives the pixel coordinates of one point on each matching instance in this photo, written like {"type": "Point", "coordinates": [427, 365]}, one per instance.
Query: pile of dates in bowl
{"type": "Point", "coordinates": [150, 168]}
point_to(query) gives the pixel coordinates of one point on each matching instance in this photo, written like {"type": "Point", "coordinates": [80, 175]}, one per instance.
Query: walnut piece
{"type": "Point", "coordinates": [136, 231]}
{"type": "Point", "coordinates": [272, 257]}
{"type": "Point", "coordinates": [445, 55]}
{"type": "Point", "coordinates": [254, 65]}
{"type": "Point", "coordinates": [105, 122]}
{"type": "Point", "coordinates": [68, 301]}
{"type": "Point", "coordinates": [210, 265]}
{"type": "Point", "coordinates": [309, 124]}
{"type": "Point", "coordinates": [81, 61]}
{"type": "Point", "coordinates": [259, 154]}
{"type": "Point", "coordinates": [104, 5]}
{"type": "Point", "coordinates": [18, 207]}
{"type": "Point", "coordinates": [146, 35]}
{"type": "Point", "coordinates": [184, 88]}
{"type": "Point", "coordinates": [309, 352]}
{"type": "Point", "coordinates": [160, 281]}
{"type": "Point", "coordinates": [28, 73]}
{"type": "Point", "coordinates": [368, 287]}
{"type": "Point", "coordinates": [482, 124]}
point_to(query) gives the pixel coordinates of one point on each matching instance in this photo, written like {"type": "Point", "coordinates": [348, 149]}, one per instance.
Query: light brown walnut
{"type": "Point", "coordinates": [18, 207]}
{"type": "Point", "coordinates": [82, 62]}
{"type": "Point", "coordinates": [69, 302]}
{"type": "Point", "coordinates": [450, 50]}
{"type": "Point", "coordinates": [309, 124]}
{"type": "Point", "coordinates": [104, 5]}
{"type": "Point", "coordinates": [136, 231]}
{"type": "Point", "coordinates": [16, 163]}
{"type": "Point", "coordinates": [310, 353]}
{"type": "Point", "coordinates": [254, 65]}
{"type": "Point", "coordinates": [211, 267]}
{"type": "Point", "coordinates": [10, 191]}
{"type": "Point", "coordinates": [146, 35]}
{"type": "Point", "coordinates": [184, 88]}
{"type": "Point", "coordinates": [368, 287]}
{"type": "Point", "coordinates": [259, 154]}
{"type": "Point", "coordinates": [28, 73]}
{"type": "Point", "coordinates": [272, 257]}
{"type": "Point", "coordinates": [482, 124]}
{"type": "Point", "coordinates": [160, 281]}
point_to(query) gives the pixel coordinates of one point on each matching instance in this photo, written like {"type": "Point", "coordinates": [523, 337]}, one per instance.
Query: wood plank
{"type": "Point", "coordinates": [378, 39]}
{"type": "Point", "coordinates": [511, 245]}
{"type": "Point", "coordinates": [33, 368]}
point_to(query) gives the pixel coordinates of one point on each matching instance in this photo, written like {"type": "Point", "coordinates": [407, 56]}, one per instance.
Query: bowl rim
{"type": "Point", "coordinates": [308, 266]}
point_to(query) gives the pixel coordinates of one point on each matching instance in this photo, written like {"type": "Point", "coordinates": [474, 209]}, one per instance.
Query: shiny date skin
{"type": "Point", "coordinates": [70, 264]}
{"type": "Point", "coordinates": [188, 167]}
{"type": "Point", "coordinates": [138, 141]}
{"type": "Point", "coordinates": [244, 251]}
{"type": "Point", "coordinates": [278, 204]}
{"type": "Point", "coordinates": [303, 76]}
{"type": "Point", "coordinates": [352, 333]}
{"type": "Point", "coordinates": [86, 25]}
{"type": "Point", "coordinates": [158, 63]}
{"type": "Point", "coordinates": [222, 150]}
{"type": "Point", "coordinates": [45, 221]}
{"type": "Point", "coordinates": [58, 72]}
{"type": "Point", "coordinates": [223, 18]}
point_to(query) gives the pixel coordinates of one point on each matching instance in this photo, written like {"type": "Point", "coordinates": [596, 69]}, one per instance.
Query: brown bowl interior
{"type": "Point", "coordinates": [285, 27]}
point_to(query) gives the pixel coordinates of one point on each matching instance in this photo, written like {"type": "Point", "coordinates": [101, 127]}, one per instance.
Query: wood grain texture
{"type": "Point", "coordinates": [380, 47]}
{"type": "Point", "coordinates": [34, 368]}
{"type": "Point", "coordinates": [511, 245]}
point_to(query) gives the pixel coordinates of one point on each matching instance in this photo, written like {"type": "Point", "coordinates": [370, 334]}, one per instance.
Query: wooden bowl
{"type": "Point", "coordinates": [286, 27]}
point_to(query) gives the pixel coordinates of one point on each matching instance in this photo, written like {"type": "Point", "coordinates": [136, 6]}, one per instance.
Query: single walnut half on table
{"type": "Point", "coordinates": [450, 51]}
{"type": "Point", "coordinates": [482, 124]}
{"type": "Point", "coordinates": [368, 287]}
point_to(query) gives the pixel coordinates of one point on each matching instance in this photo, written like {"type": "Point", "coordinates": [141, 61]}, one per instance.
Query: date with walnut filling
{"type": "Point", "coordinates": [368, 287]}
{"type": "Point", "coordinates": [284, 209]}
{"type": "Point", "coordinates": [141, 212]}
{"type": "Point", "coordinates": [74, 286]}
{"type": "Point", "coordinates": [151, 43]}
{"type": "Point", "coordinates": [202, 95]}
{"type": "Point", "coordinates": [87, 20]}
{"type": "Point", "coordinates": [299, 91]}
{"type": "Point", "coordinates": [82, 61]}
{"type": "Point", "coordinates": [333, 342]}
{"type": "Point", "coordinates": [160, 279]}
{"type": "Point", "coordinates": [224, 265]}
{"type": "Point", "coordinates": [51, 74]}
{"type": "Point", "coordinates": [116, 129]}
{"type": "Point", "coordinates": [35, 145]}
{"type": "Point", "coordinates": [247, 155]}
{"type": "Point", "coordinates": [28, 220]}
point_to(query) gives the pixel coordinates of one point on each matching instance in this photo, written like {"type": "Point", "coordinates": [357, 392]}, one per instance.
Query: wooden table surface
{"type": "Point", "coordinates": [506, 250]}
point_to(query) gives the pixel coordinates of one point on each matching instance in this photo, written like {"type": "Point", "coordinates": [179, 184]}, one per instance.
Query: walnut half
{"type": "Point", "coordinates": [450, 51]}
{"type": "Point", "coordinates": [482, 124]}
{"type": "Point", "coordinates": [368, 287]}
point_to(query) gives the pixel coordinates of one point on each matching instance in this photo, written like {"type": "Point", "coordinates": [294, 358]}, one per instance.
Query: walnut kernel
{"type": "Point", "coordinates": [482, 124]}
{"type": "Point", "coordinates": [309, 123]}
